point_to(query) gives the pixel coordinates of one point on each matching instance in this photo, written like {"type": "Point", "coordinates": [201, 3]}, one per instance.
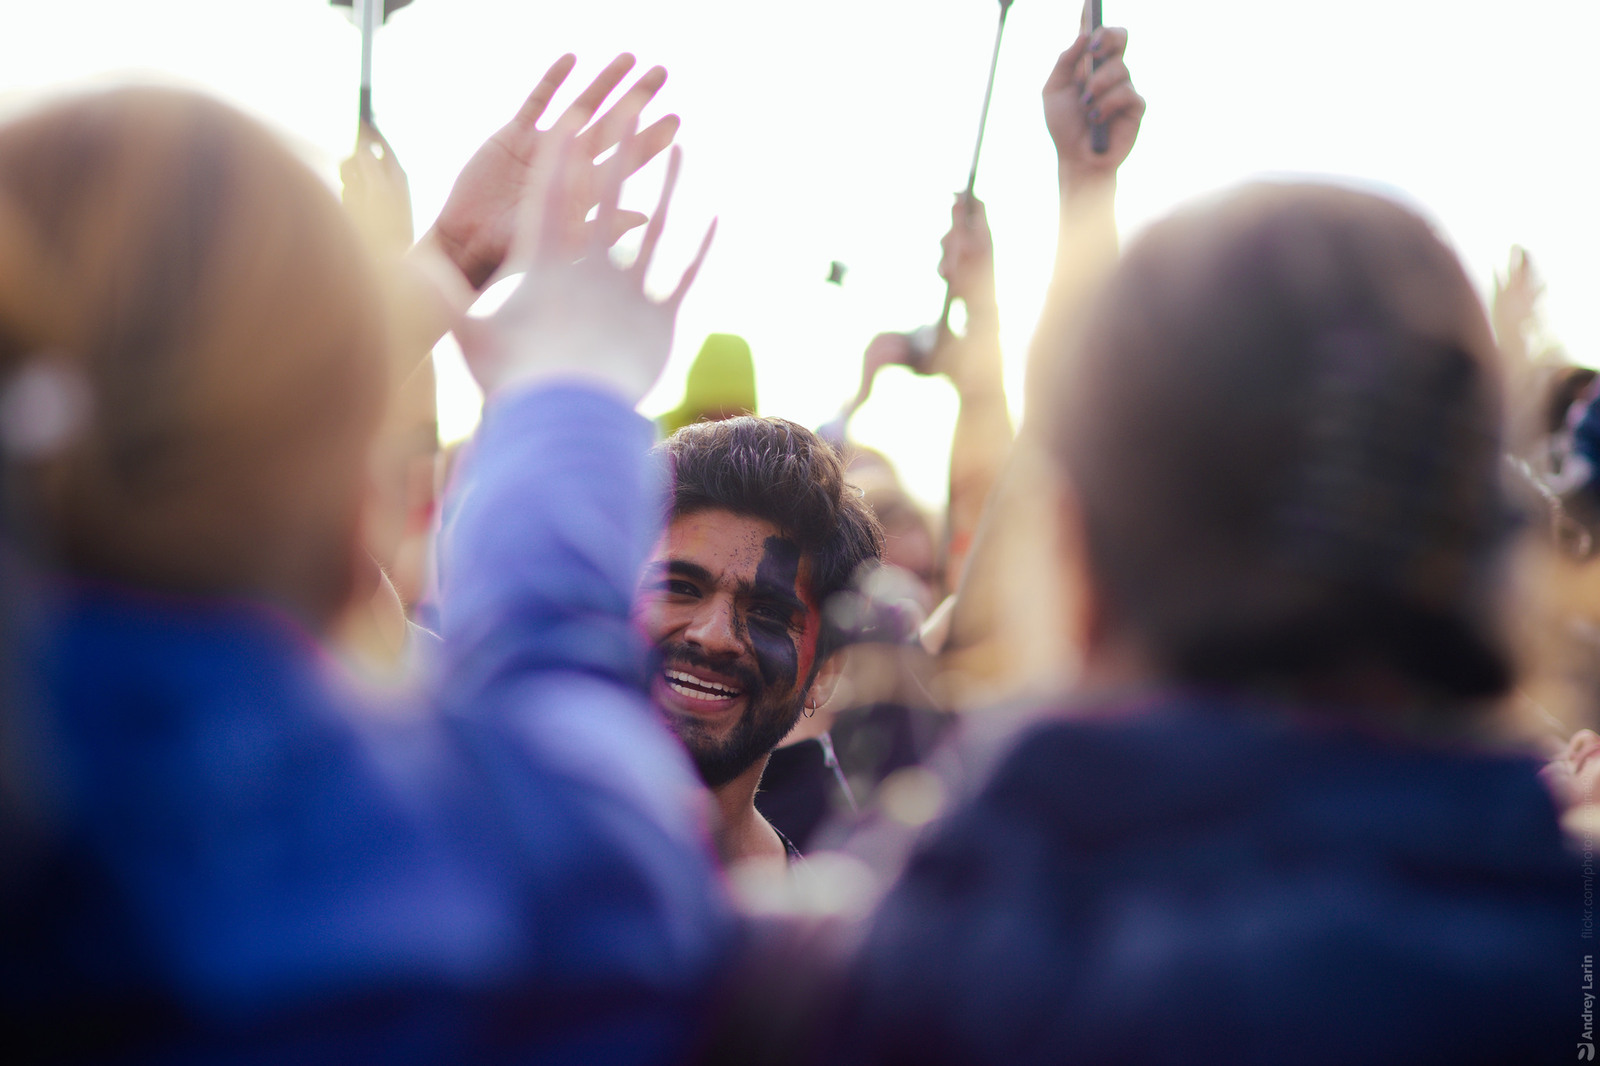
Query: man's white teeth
{"type": "Point", "coordinates": [698, 689]}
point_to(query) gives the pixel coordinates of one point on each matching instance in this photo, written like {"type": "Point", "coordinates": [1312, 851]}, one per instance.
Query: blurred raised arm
{"type": "Point", "coordinates": [377, 193]}
{"type": "Point", "coordinates": [1006, 631]}
{"type": "Point", "coordinates": [973, 362]}
{"type": "Point", "coordinates": [1515, 311]}
{"type": "Point", "coordinates": [1089, 85]}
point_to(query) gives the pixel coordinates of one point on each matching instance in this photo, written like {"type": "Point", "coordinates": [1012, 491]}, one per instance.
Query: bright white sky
{"type": "Point", "coordinates": [839, 129]}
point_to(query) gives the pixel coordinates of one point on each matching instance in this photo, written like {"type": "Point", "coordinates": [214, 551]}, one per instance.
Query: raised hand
{"type": "Point", "coordinates": [1514, 311]}
{"type": "Point", "coordinates": [576, 314]}
{"type": "Point", "coordinates": [1076, 98]}
{"type": "Point", "coordinates": [480, 217]}
{"type": "Point", "coordinates": [376, 193]}
{"type": "Point", "coordinates": [1574, 774]}
{"type": "Point", "coordinates": [967, 262]}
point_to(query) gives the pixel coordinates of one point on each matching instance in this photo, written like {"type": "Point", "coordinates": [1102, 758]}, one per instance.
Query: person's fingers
{"type": "Point", "coordinates": [625, 221]}
{"type": "Point", "coordinates": [607, 129]}
{"type": "Point", "coordinates": [541, 231]}
{"type": "Point", "coordinates": [968, 212]}
{"type": "Point", "coordinates": [694, 268]}
{"type": "Point", "coordinates": [1106, 79]}
{"type": "Point", "coordinates": [652, 232]}
{"type": "Point", "coordinates": [653, 140]}
{"type": "Point", "coordinates": [1065, 72]}
{"type": "Point", "coordinates": [371, 134]}
{"type": "Point", "coordinates": [886, 349]}
{"type": "Point", "coordinates": [372, 144]}
{"type": "Point", "coordinates": [581, 110]}
{"type": "Point", "coordinates": [612, 174]}
{"type": "Point", "coordinates": [364, 175]}
{"type": "Point", "coordinates": [1525, 273]}
{"type": "Point", "coordinates": [1121, 102]}
{"type": "Point", "coordinates": [527, 117]}
{"type": "Point", "coordinates": [1108, 44]}
{"type": "Point", "coordinates": [560, 241]}
{"type": "Point", "coordinates": [968, 247]}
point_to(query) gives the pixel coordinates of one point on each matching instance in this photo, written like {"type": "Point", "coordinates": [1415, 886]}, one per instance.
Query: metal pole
{"type": "Point", "coordinates": [1100, 132]}
{"type": "Point", "coordinates": [977, 149]}
{"type": "Point", "coordinates": [370, 13]}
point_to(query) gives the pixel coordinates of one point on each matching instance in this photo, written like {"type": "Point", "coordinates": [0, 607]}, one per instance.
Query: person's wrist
{"type": "Point", "coordinates": [435, 294]}
{"type": "Point", "coordinates": [471, 267]}
{"type": "Point", "coordinates": [982, 304]}
{"type": "Point", "coordinates": [978, 388]}
{"type": "Point", "coordinates": [625, 379]}
{"type": "Point", "coordinates": [623, 389]}
{"type": "Point", "coordinates": [1078, 181]}
{"type": "Point", "coordinates": [978, 372]}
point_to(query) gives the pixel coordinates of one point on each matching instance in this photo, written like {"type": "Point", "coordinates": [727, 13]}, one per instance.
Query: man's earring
{"type": "Point", "coordinates": [811, 707]}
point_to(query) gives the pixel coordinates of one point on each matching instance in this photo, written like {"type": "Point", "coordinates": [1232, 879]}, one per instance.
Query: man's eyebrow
{"type": "Point", "coordinates": [680, 568]}
{"type": "Point", "coordinates": [766, 590]}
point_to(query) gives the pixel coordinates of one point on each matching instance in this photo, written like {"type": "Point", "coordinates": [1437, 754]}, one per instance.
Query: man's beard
{"type": "Point", "coordinates": [764, 723]}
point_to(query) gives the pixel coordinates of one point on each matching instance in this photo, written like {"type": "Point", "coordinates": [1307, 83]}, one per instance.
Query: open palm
{"type": "Point", "coordinates": [576, 314]}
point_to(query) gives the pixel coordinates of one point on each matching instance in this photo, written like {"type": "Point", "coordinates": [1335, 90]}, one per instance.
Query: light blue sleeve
{"type": "Point", "coordinates": [550, 517]}
{"type": "Point", "coordinates": [545, 530]}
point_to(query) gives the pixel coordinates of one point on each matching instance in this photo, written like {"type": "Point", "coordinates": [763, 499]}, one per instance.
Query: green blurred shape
{"type": "Point", "coordinates": [721, 384]}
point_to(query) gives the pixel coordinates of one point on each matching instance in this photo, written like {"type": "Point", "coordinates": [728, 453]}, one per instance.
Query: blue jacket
{"type": "Point", "coordinates": [232, 857]}
{"type": "Point", "coordinates": [1192, 881]}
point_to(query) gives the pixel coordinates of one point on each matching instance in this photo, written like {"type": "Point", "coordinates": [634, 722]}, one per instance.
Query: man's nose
{"type": "Point", "coordinates": [715, 627]}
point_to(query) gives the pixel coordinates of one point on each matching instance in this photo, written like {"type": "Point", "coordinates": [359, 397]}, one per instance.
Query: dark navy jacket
{"type": "Point", "coordinates": [1193, 882]}
{"type": "Point", "coordinates": [227, 856]}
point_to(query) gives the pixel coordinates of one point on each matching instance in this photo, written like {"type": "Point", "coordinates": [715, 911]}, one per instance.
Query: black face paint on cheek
{"type": "Point", "coordinates": [773, 648]}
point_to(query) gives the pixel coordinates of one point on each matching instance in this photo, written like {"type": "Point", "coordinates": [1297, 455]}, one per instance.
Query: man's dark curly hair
{"type": "Point", "coordinates": [780, 472]}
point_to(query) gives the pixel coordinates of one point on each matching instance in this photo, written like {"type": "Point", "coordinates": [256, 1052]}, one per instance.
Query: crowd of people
{"type": "Point", "coordinates": [1204, 725]}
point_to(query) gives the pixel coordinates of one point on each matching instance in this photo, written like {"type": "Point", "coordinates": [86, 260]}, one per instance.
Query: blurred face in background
{"type": "Point", "coordinates": [727, 601]}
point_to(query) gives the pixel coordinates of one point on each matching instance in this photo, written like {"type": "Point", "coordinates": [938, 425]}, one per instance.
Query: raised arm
{"type": "Point", "coordinates": [1089, 85]}
{"type": "Point", "coordinates": [557, 504]}
{"type": "Point", "coordinates": [1006, 629]}
{"type": "Point", "coordinates": [973, 362]}
{"type": "Point", "coordinates": [1514, 312]}
{"type": "Point", "coordinates": [546, 526]}
{"type": "Point", "coordinates": [467, 245]}
{"type": "Point", "coordinates": [475, 228]}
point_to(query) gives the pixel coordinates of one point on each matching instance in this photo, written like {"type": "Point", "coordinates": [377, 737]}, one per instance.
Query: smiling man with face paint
{"type": "Point", "coordinates": [763, 529]}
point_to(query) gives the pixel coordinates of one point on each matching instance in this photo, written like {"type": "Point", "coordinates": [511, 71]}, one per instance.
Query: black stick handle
{"type": "Point", "coordinates": [1099, 132]}
{"type": "Point", "coordinates": [371, 12]}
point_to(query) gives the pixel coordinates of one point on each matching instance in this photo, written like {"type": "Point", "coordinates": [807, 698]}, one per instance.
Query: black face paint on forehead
{"type": "Point", "coordinates": [773, 646]}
